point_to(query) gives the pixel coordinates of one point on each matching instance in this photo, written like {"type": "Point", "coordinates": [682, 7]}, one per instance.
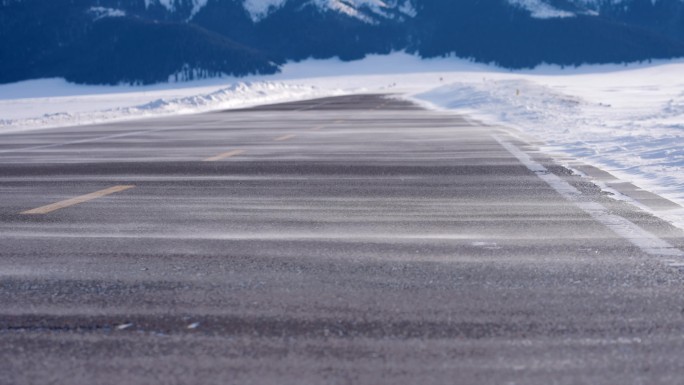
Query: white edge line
{"type": "Point", "coordinates": [639, 237]}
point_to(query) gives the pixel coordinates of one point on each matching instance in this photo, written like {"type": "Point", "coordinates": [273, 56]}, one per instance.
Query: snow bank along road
{"type": "Point", "coordinates": [355, 239]}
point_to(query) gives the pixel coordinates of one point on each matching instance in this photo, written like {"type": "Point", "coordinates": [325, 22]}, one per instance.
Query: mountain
{"type": "Point", "coordinates": [91, 42]}
{"type": "Point", "coordinates": [149, 41]}
{"type": "Point", "coordinates": [525, 33]}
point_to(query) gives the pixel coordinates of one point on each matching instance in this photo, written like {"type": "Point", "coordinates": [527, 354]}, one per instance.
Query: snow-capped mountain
{"type": "Point", "coordinates": [547, 9]}
{"type": "Point", "coordinates": [542, 10]}
{"type": "Point", "coordinates": [365, 10]}
{"type": "Point", "coordinates": [370, 10]}
{"type": "Point", "coordinates": [145, 41]}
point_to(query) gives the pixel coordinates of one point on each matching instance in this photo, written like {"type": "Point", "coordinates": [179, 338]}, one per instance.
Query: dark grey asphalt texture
{"type": "Point", "coordinates": [381, 244]}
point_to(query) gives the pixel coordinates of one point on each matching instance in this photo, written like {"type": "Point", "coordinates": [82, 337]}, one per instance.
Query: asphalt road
{"type": "Point", "coordinates": [350, 240]}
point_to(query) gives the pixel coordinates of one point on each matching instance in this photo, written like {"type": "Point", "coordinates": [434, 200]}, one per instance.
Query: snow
{"type": "Point", "coordinates": [408, 9]}
{"type": "Point", "coordinates": [259, 9]}
{"type": "Point", "coordinates": [170, 5]}
{"type": "Point", "coordinates": [352, 8]}
{"type": "Point", "coordinates": [197, 5]}
{"type": "Point", "coordinates": [123, 326]}
{"type": "Point", "coordinates": [102, 12]}
{"type": "Point", "coordinates": [63, 104]}
{"type": "Point", "coordinates": [544, 9]}
{"type": "Point", "coordinates": [365, 10]}
{"type": "Point", "coordinates": [358, 9]}
{"type": "Point", "coordinates": [541, 10]}
{"type": "Point", "coordinates": [627, 120]}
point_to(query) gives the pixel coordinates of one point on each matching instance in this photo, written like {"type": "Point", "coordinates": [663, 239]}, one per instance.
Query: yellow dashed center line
{"type": "Point", "coordinates": [225, 155]}
{"type": "Point", "coordinates": [80, 199]}
{"type": "Point", "coordinates": [284, 138]}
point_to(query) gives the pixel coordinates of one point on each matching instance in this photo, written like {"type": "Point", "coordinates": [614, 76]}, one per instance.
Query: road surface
{"type": "Point", "coordinates": [349, 240]}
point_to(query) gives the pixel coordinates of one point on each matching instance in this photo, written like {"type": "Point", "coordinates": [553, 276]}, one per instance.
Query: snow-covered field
{"type": "Point", "coordinates": [628, 120]}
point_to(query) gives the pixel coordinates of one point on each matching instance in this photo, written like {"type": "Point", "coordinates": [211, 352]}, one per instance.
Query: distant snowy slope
{"type": "Point", "coordinates": [172, 5]}
{"type": "Point", "coordinates": [548, 9]}
{"type": "Point", "coordinates": [376, 7]}
{"type": "Point", "coordinates": [194, 6]}
{"type": "Point", "coordinates": [364, 10]}
{"type": "Point", "coordinates": [367, 10]}
{"type": "Point", "coordinates": [102, 12]}
{"type": "Point", "coordinates": [541, 10]}
{"type": "Point", "coordinates": [259, 9]}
